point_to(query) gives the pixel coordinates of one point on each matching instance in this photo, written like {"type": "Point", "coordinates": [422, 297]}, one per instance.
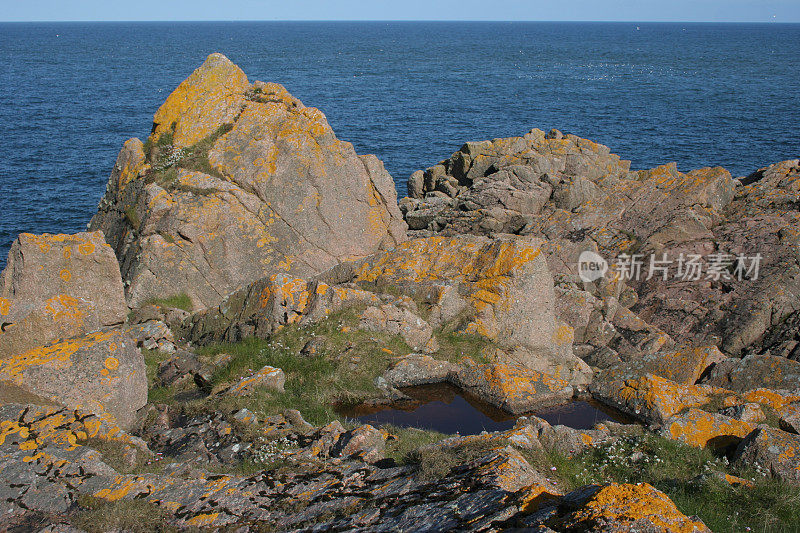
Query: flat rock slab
{"type": "Point", "coordinates": [103, 373]}
{"type": "Point", "coordinates": [700, 428]}
{"type": "Point", "coordinates": [58, 286]}
{"type": "Point", "coordinates": [684, 366]}
{"type": "Point", "coordinates": [756, 371]}
{"type": "Point", "coordinates": [513, 388]}
{"type": "Point", "coordinates": [651, 398]}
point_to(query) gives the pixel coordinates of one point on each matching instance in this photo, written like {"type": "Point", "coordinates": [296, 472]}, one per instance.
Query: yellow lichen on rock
{"type": "Point", "coordinates": [211, 96]}
{"type": "Point", "coordinates": [700, 428]}
{"type": "Point", "coordinates": [628, 505]}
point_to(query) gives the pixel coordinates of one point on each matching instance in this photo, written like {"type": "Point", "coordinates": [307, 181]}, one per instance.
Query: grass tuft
{"type": "Point", "coordinates": [177, 301]}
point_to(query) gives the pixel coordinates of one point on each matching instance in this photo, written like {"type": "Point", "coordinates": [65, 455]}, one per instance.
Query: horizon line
{"type": "Point", "coordinates": [407, 20]}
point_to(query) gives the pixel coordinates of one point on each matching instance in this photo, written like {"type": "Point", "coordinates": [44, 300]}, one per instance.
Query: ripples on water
{"type": "Point", "coordinates": [412, 93]}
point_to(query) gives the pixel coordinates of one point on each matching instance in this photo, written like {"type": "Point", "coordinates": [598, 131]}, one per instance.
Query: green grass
{"type": "Point", "coordinates": [196, 157]}
{"type": "Point", "coordinates": [343, 372]}
{"type": "Point", "coordinates": [405, 441]}
{"type": "Point", "coordinates": [436, 462]}
{"type": "Point", "coordinates": [455, 346]}
{"type": "Point", "coordinates": [176, 301]}
{"type": "Point", "coordinates": [165, 160]}
{"type": "Point", "coordinates": [96, 515]}
{"type": "Point", "coordinates": [673, 468]}
{"type": "Point", "coordinates": [133, 217]}
{"type": "Point", "coordinates": [153, 358]}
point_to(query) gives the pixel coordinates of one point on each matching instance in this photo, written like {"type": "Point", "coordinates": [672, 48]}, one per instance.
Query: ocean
{"type": "Point", "coordinates": [409, 92]}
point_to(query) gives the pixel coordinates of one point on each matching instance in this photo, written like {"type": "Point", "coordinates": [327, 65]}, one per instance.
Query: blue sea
{"type": "Point", "coordinates": [412, 93]}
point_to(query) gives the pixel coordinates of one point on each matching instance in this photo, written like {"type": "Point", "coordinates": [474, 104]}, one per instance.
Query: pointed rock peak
{"type": "Point", "coordinates": [218, 60]}
{"type": "Point", "coordinates": [210, 97]}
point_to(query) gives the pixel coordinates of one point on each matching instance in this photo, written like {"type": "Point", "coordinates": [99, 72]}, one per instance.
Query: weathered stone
{"type": "Point", "coordinates": [790, 418]}
{"type": "Point", "coordinates": [178, 369]}
{"type": "Point", "coordinates": [393, 320]}
{"type": "Point", "coordinates": [277, 192]}
{"type": "Point", "coordinates": [756, 371]}
{"type": "Point", "coordinates": [750, 413]}
{"type": "Point", "coordinates": [418, 369]}
{"type": "Point", "coordinates": [513, 388]}
{"type": "Point", "coordinates": [624, 507]}
{"type": "Point", "coordinates": [58, 286]}
{"type": "Point", "coordinates": [651, 398]}
{"type": "Point", "coordinates": [103, 373]}
{"type": "Point", "coordinates": [684, 366]}
{"type": "Point", "coordinates": [364, 442]}
{"type": "Point", "coordinates": [776, 451]}
{"type": "Point", "coordinates": [700, 428]}
{"type": "Point", "coordinates": [269, 378]}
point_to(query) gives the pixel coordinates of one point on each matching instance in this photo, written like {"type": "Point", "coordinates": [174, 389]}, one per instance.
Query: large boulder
{"type": "Point", "coordinates": [756, 371]}
{"type": "Point", "coordinates": [777, 452]}
{"type": "Point", "coordinates": [700, 428]}
{"type": "Point", "coordinates": [103, 373]}
{"type": "Point", "coordinates": [623, 507]}
{"type": "Point", "coordinates": [513, 388]}
{"type": "Point", "coordinates": [572, 191]}
{"type": "Point", "coordinates": [651, 398]}
{"type": "Point", "coordinates": [500, 289]}
{"type": "Point", "coordinates": [236, 182]}
{"type": "Point", "coordinates": [58, 286]}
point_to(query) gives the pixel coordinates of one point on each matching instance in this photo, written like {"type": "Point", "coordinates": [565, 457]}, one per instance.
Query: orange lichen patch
{"type": "Point", "coordinates": [46, 240]}
{"type": "Point", "coordinates": [121, 487]}
{"type": "Point", "coordinates": [515, 380]}
{"type": "Point", "coordinates": [209, 97]}
{"type": "Point", "coordinates": [54, 426]}
{"type": "Point", "coordinates": [533, 497]}
{"type": "Point", "coordinates": [700, 428]}
{"type": "Point", "coordinates": [202, 520]}
{"type": "Point", "coordinates": [86, 248]}
{"type": "Point", "coordinates": [64, 308]}
{"type": "Point", "coordinates": [625, 504]}
{"type": "Point", "coordinates": [13, 368]}
{"type": "Point", "coordinates": [654, 398]}
{"type": "Point", "coordinates": [65, 275]}
{"type": "Point", "coordinates": [774, 400]}
{"type": "Point", "coordinates": [734, 480]}
{"type": "Point", "coordinates": [111, 363]}
{"type": "Point", "coordinates": [5, 306]}
{"type": "Point", "coordinates": [564, 335]}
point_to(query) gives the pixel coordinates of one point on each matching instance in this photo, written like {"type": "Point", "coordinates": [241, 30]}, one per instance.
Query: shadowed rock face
{"type": "Point", "coordinates": [239, 181]}
{"type": "Point", "coordinates": [58, 286]}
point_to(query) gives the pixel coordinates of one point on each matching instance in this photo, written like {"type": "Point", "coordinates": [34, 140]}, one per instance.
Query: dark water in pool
{"type": "Point", "coordinates": [446, 409]}
{"type": "Point", "coordinates": [412, 93]}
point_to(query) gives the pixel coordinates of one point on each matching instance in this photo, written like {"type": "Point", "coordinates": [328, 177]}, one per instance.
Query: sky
{"type": "Point", "coordinates": [545, 10]}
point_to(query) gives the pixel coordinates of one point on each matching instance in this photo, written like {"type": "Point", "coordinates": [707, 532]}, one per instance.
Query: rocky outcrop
{"type": "Point", "coordinates": [58, 286]}
{"type": "Point", "coordinates": [499, 290]}
{"type": "Point", "coordinates": [239, 181]}
{"type": "Point", "coordinates": [102, 373]}
{"type": "Point", "coordinates": [576, 194]}
{"type": "Point", "coordinates": [51, 466]}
